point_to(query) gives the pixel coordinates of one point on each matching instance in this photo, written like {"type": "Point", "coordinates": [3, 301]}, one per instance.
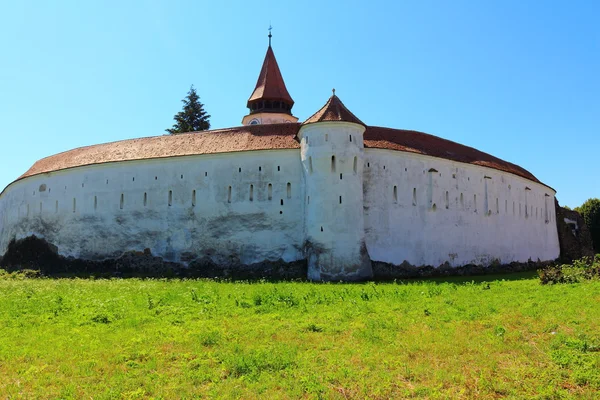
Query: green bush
{"type": "Point", "coordinates": [585, 269]}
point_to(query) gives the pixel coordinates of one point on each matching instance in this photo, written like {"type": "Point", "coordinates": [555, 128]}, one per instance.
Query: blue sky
{"type": "Point", "coordinates": [517, 79]}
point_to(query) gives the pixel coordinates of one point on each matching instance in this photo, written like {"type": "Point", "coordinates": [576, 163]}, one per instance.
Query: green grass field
{"type": "Point", "coordinates": [495, 337]}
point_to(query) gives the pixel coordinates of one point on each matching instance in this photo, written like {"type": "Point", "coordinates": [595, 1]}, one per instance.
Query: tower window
{"type": "Point", "coordinates": [170, 198]}
{"type": "Point", "coordinates": [251, 192]}
{"type": "Point", "coordinates": [355, 165]}
{"type": "Point", "coordinates": [95, 202]}
{"type": "Point", "coordinates": [145, 199]}
{"type": "Point", "coordinates": [414, 197]}
{"type": "Point", "coordinates": [122, 202]}
{"type": "Point", "coordinates": [340, 199]}
{"type": "Point", "coordinates": [395, 194]}
{"type": "Point", "coordinates": [193, 198]}
{"type": "Point", "coordinates": [350, 138]}
{"type": "Point", "coordinates": [332, 163]}
{"type": "Point", "coordinates": [289, 190]}
{"type": "Point", "coordinates": [270, 192]}
{"type": "Point", "coordinates": [229, 194]}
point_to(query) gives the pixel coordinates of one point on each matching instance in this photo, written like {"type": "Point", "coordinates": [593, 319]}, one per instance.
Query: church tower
{"type": "Point", "coordinates": [270, 102]}
{"type": "Point", "coordinates": [332, 153]}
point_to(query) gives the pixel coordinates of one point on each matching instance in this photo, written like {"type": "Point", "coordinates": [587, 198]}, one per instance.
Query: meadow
{"type": "Point", "coordinates": [478, 337]}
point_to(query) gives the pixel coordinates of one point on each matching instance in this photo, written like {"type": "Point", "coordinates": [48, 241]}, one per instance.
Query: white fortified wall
{"type": "Point", "coordinates": [428, 211]}
{"type": "Point", "coordinates": [242, 207]}
{"type": "Point", "coordinates": [248, 207]}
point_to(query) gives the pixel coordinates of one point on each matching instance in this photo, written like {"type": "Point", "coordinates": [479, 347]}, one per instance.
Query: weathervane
{"type": "Point", "coordinates": [270, 36]}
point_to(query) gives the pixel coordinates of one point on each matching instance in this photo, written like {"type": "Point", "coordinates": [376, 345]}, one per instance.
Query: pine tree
{"type": "Point", "coordinates": [193, 117]}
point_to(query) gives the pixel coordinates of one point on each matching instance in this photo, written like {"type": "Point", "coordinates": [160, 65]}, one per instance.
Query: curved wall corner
{"type": "Point", "coordinates": [332, 158]}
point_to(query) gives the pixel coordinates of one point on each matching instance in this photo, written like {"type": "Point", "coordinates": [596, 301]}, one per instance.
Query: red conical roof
{"type": "Point", "coordinates": [333, 110]}
{"type": "Point", "coordinates": [270, 85]}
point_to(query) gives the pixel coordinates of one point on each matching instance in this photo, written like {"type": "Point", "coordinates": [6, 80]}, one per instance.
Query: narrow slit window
{"type": "Point", "coordinates": [414, 197]}
{"type": "Point", "coordinates": [340, 177]}
{"type": "Point", "coordinates": [122, 201]}
{"type": "Point", "coordinates": [327, 137]}
{"type": "Point", "coordinates": [307, 140]}
{"type": "Point", "coordinates": [351, 138]}
{"type": "Point", "coordinates": [270, 192]}
{"type": "Point", "coordinates": [259, 169]}
{"type": "Point", "coordinates": [56, 207]}
{"type": "Point", "coordinates": [281, 202]}
{"type": "Point", "coordinates": [95, 202]}
{"type": "Point", "coordinates": [205, 173]}
{"type": "Point", "coordinates": [321, 229]}
{"type": "Point", "coordinates": [170, 198]}
{"type": "Point", "coordinates": [278, 168]}
{"type": "Point", "coordinates": [229, 194]}
{"type": "Point", "coordinates": [447, 200]}
{"type": "Point", "coordinates": [145, 199]}
{"type": "Point", "coordinates": [181, 176]}
{"type": "Point", "coordinates": [251, 192]}
{"type": "Point", "coordinates": [74, 204]}
{"type": "Point", "coordinates": [308, 200]}
{"type": "Point", "coordinates": [355, 165]}
{"type": "Point", "coordinates": [310, 167]}
{"type": "Point", "coordinates": [240, 169]}
{"type": "Point", "coordinates": [340, 199]}
{"type": "Point", "coordinates": [497, 207]}
{"type": "Point", "coordinates": [506, 206]}
{"type": "Point", "coordinates": [193, 198]}
{"type": "Point", "coordinates": [289, 190]}
{"type": "Point", "coordinates": [462, 201]}
{"type": "Point", "coordinates": [395, 194]}
{"type": "Point", "coordinates": [332, 163]}
{"type": "Point", "coordinates": [475, 202]}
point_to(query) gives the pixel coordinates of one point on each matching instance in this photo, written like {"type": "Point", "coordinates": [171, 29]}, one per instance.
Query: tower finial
{"type": "Point", "coordinates": [333, 90]}
{"type": "Point", "coordinates": [270, 35]}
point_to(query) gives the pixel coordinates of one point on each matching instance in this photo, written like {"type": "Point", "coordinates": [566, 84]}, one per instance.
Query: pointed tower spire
{"type": "Point", "coordinates": [270, 93]}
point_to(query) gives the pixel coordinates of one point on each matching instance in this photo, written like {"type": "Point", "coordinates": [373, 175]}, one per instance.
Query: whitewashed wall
{"type": "Point", "coordinates": [482, 228]}
{"type": "Point", "coordinates": [79, 210]}
{"type": "Point", "coordinates": [332, 156]}
{"type": "Point", "coordinates": [99, 211]}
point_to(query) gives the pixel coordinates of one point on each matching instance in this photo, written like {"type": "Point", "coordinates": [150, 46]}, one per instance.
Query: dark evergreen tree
{"type": "Point", "coordinates": [193, 117]}
{"type": "Point", "coordinates": [590, 211]}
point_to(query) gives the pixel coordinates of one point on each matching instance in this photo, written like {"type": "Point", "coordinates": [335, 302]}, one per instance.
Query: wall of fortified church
{"type": "Point", "coordinates": [331, 190]}
{"type": "Point", "coordinates": [233, 207]}
{"type": "Point", "coordinates": [429, 211]}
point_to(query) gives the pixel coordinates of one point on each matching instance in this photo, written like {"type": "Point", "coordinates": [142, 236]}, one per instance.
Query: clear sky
{"type": "Point", "coordinates": [517, 79]}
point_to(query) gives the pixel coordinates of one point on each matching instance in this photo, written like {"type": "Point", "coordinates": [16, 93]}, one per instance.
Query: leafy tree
{"type": "Point", "coordinates": [590, 211]}
{"type": "Point", "coordinates": [193, 117]}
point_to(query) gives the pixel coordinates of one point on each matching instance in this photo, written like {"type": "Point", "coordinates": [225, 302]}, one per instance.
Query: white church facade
{"type": "Point", "coordinates": [329, 191]}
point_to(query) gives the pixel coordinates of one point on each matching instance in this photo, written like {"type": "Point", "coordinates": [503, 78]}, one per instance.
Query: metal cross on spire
{"type": "Point", "coordinates": [270, 35]}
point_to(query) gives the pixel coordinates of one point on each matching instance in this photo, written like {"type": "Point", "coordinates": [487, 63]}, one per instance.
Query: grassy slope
{"type": "Point", "coordinates": [181, 339]}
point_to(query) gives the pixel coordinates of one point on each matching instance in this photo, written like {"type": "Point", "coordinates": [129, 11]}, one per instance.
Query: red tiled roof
{"type": "Point", "coordinates": [244, 138]}
{"type": "Point", "coordinates": [422, 143]}
{"type": "Point", "coordinates": [333, 110]}
{"type": "Point", "coordinates": [263, 137]}
{"type": "Point", "coordinates": [270, 84]}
